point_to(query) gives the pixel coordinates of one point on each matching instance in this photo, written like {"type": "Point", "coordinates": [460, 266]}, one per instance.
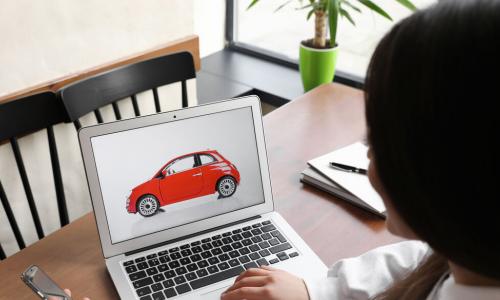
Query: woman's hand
{"type": "Point", "coordinates": [266, 283]}
{"type": "Point", "coordinates": [68, 292]}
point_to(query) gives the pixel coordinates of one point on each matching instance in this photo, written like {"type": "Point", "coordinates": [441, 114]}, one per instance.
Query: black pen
{"type": "Point", "coordinates": [347, 168]}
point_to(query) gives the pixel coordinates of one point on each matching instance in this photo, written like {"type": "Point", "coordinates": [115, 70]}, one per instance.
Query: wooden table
{"type": "Point", "coordinates": [326, 118]}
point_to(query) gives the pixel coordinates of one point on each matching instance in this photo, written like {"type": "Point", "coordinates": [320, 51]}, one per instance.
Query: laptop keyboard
{"type": "Point", "coordinates": [178, 270]}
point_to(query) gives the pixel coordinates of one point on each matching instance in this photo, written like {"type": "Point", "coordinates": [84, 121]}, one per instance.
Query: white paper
{"type": "Point", "coordinates": [353, 155]}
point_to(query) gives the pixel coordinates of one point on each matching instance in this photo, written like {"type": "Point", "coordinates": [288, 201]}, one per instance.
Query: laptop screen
{"type": "Point", "coordinates": [167, 175]}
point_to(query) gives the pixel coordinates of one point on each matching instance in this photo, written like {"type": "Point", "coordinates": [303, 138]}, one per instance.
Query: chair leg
{"type": "Point", "coordinates": [27, 187]}
{"type": "Point", "coordinates": [116, 109]}
{"type": "Point", "coordinates": [98, 116]}
{"type": "Point", "coordinates": [58, 183]}
{"type": "Point", "coordinates": [157, 100]}
{"type": "Point", "coordinates": [184, 95]}
{"type": "Point", "coordinates": [2, 253]}
{"type": "Point", "coordinates": [11, 218]}
{"type": "Point", "coordinates": [135, 105]}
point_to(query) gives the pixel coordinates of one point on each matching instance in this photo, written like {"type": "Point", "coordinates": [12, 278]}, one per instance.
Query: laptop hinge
{"type": "Point", "coordinates": [191, 235]}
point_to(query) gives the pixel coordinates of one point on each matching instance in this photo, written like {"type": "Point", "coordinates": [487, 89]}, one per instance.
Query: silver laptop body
{"type": "Point", "coordinates": [183, 202]}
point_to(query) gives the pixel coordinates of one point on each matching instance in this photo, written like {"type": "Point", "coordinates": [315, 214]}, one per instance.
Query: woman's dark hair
{"type": "Point", "coordinates": [432, 98]}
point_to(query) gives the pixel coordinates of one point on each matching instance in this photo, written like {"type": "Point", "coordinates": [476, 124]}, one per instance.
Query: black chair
{"type": "Point", "coordinates": [21, 117]}
{"type": "Point", "coordinates": [90, 94]}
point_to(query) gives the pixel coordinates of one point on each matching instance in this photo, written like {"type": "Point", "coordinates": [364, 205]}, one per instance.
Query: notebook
{"type": "Point", "coordinates": [352, 187]}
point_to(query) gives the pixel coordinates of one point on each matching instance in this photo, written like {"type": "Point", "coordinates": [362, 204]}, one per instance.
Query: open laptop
{"type": "Point", "coordinates": [183, 202]}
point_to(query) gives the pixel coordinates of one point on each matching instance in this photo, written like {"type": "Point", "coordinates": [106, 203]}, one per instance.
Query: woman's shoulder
{"type": "Point", "coordinates": [367, 275]}
{"type": "Point", "coordinates": [411, 250]}
{"type": "Point", "coordinates": [397, 257]}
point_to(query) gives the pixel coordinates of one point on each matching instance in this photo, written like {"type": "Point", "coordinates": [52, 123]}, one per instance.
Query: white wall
{"type": "Point", "coordinates": [209, 25]}
{"type": "Point", "coordinates": [43, 40]}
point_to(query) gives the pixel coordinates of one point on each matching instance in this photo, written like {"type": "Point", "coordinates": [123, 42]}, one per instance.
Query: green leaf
{"type": "Point", "coordinates": [315, 6]}
{"type": "Point", "coordinates": [375, 8]}
{"type": "Point", "coordinates": [309, 14]}
{"type": "Point", "coordinates": [322, 5]}
{"type": "Point", "coordinates": [282, 5]}
{"type": "Point", "coordinates": [252, 4]}
{"type": "Point", "coordinates": [333, 15]}
{"type": "Point", "coordinates": [346, 14]}
{"type": "Point", "coordinates": [407, 4]}
{"type": "Point", "coordinates": [351, 5]}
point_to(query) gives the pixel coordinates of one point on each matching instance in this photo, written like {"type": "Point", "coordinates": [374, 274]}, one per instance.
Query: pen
{"type": "Point", "coordinates": [347, 168]}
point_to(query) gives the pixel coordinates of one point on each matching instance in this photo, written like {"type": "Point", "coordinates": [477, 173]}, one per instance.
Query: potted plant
{"type": "Point", "coordinates": [318, 56]}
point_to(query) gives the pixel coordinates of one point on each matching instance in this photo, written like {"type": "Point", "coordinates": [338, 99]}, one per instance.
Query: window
{"type": "Point", "coordinates": [279, 33]}
{"type": "Point", "coordinates": [206, 159]}
{"type": "Point", "coordinates": [181, 164]}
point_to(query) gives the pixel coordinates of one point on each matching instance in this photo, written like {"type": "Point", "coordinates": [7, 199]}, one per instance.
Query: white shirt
{"type": "Point", "coordinates": [365, 276]}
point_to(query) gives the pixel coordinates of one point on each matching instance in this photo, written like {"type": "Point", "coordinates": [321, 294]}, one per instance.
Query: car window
{"type": "Point", "coordinates": [181, 164]}
{"type": "Point", "coordinates": [206, 159]}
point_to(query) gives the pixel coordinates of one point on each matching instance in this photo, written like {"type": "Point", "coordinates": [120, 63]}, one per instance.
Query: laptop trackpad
{"type": "Point", "coordinates": [214, 295]}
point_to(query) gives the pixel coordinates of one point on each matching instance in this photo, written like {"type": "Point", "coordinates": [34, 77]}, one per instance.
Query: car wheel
{"type": "Point", "coordinates": [148, 205]}
{"type": "Point", "coordinates": [226, 186]}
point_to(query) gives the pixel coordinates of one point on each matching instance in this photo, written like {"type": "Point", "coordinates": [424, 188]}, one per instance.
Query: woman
{"type": "Point", "coordinates": [432, 123]}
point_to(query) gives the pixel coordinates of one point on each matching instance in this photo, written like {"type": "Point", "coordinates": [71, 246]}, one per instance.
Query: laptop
{"type": "Point", "coordinates": [183, 202]}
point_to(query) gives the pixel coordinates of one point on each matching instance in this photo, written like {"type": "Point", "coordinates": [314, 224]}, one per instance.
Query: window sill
{"type": "Point", "coordinates": [227, 74]}
{"type": "Point", "coordinates": [238, 71]}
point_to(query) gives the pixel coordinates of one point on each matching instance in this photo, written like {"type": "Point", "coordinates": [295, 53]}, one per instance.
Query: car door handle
{"type": "Point", "coordinates": [199, 174]}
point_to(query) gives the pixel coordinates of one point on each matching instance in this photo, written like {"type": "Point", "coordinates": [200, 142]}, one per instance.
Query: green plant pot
{"type": "Point", "coordinates": [317, 66]}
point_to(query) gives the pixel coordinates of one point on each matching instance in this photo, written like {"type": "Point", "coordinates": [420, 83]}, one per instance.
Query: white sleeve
{"type": "Point", "coordinates": [367, 275]}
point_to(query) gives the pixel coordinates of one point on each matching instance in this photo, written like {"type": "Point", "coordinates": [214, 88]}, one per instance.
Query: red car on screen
{"type": "Point", "coordinates": [182, 178]}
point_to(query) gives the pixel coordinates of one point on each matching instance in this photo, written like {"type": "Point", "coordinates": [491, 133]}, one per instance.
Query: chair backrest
{"type": "Point", "coordinates": [26, 115]}
{"type": "Point", "coordinates": [21, 117]}
{"type": "Point", "coordinates": [87, 95]}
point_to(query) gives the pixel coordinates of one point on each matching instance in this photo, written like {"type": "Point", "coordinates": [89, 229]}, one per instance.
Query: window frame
{"type": "Point", "coordinates": [274, 57]}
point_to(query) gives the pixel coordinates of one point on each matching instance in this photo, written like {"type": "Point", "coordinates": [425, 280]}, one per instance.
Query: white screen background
{"type": "Point", "coordinates": [129, 158]}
